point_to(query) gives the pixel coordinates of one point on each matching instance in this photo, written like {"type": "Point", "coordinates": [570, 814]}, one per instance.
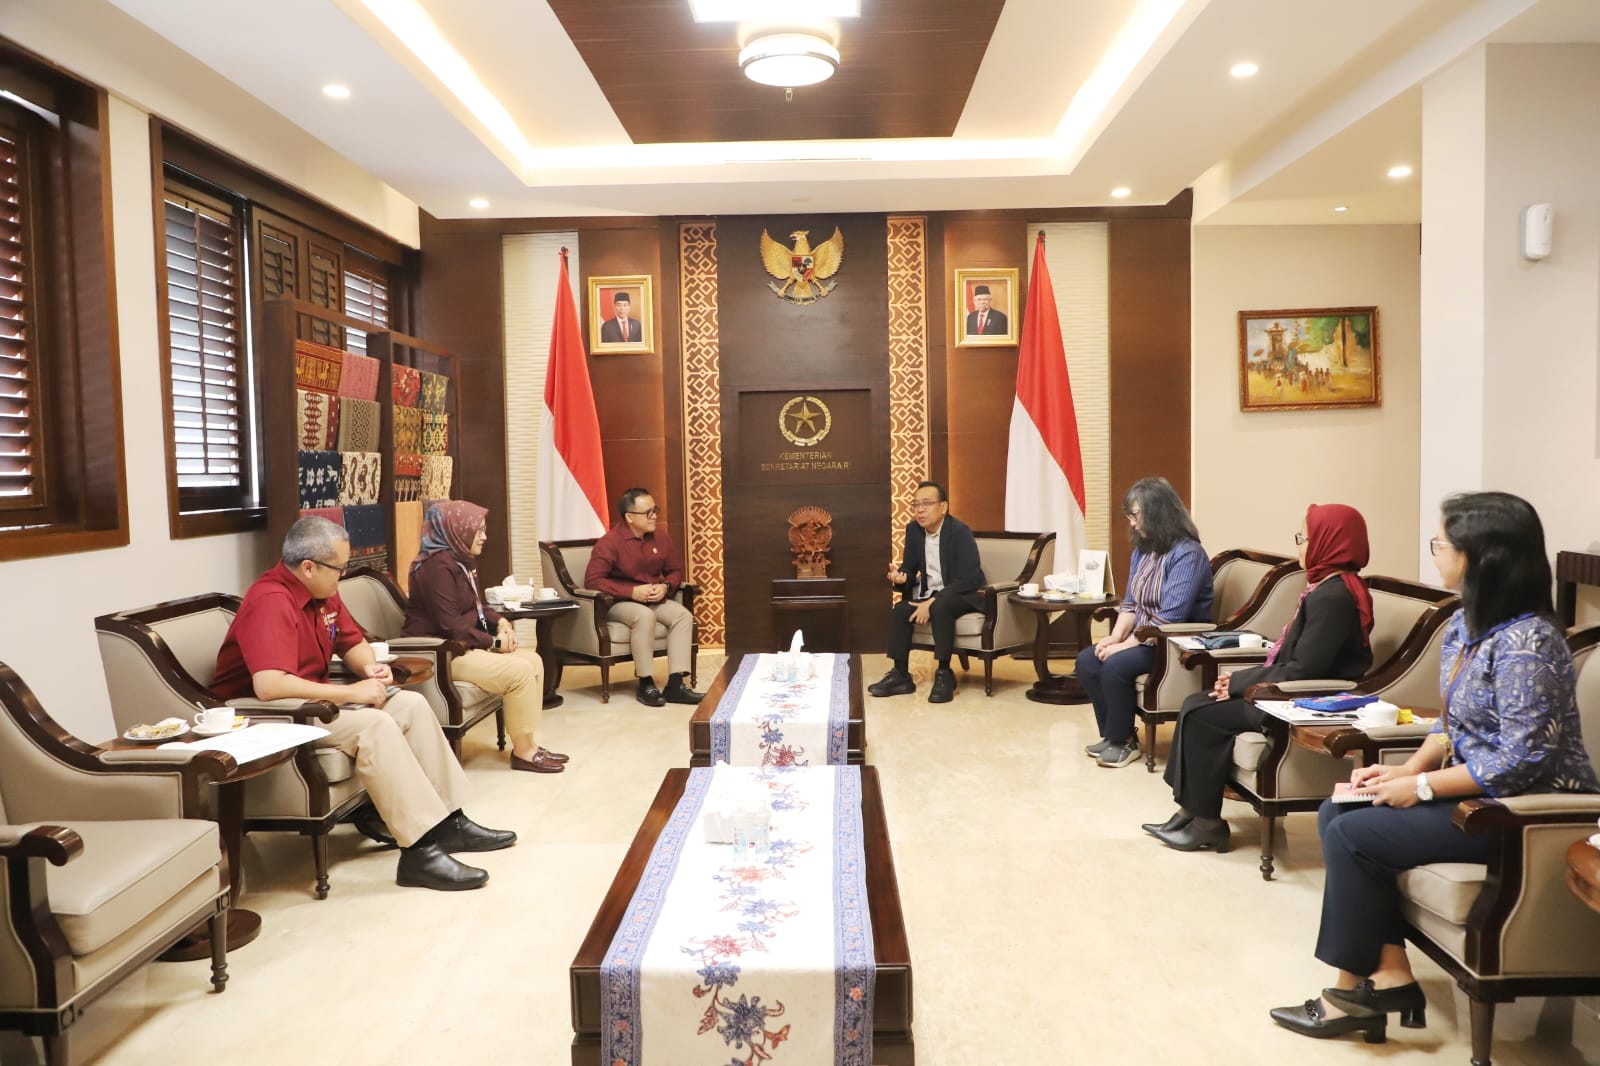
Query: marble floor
{"type": "Point", "coordinates": [1044, 926]}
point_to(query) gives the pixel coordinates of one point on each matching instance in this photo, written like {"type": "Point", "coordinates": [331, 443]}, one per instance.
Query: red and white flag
{"type": "Point", "coordinates": [1044, 468]}
{"type": "Point", "coordinates": [572, 476]}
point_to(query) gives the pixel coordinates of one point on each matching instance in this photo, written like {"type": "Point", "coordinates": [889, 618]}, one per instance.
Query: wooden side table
{"type": "Point", "coordinates": [543, 614]}
{"type": "Point", "coordinates": [813, 594]}
{"type": "Point", "coordinates": [1058, 688]}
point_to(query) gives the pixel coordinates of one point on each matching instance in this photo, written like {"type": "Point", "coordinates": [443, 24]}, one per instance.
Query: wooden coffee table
{"type": "Point", "coordinates": [891, 1018]}
{"type": "Point", "coordinates": [700, 723]}
{"type": "Point", "coordinates": [543, 614]}
{"type": "Point", "coordinates": [1058, 688]}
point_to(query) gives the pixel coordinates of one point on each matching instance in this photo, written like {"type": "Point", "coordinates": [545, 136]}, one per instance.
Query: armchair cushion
{"type": "Point", "coordinates": [128, 870]}
{"type": "Point", "coordinates": [1447, 889]}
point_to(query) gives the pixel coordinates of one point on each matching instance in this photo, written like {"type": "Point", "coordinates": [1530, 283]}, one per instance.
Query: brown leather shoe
{"type": "Point", "coordinates": [539, 764]}
{"type": "Point", "coordinates": [553, 756]}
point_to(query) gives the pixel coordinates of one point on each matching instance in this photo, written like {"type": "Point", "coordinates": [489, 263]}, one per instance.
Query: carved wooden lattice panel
{"type": "Point", "coordinates": [325, 288]}
{"type": "Point", "coordinates": [277, 253]}
{"type": "Point", "coordinates": [702, 425]}
{"type": "Point", "coordinates": [909, 449]}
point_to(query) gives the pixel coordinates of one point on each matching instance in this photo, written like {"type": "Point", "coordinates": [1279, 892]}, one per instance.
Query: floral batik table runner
{"type": "Point", "coordinates": [758, 956]}
{"type": "Point", "coordinates": [764, 722]}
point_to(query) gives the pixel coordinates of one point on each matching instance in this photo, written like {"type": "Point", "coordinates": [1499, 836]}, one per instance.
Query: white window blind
{"type": "Point", "coordinates": [19, 417]}
{"type": "Point", "coordinates": [367, 298]}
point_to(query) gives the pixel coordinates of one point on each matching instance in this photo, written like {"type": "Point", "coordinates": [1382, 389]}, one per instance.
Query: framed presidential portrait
{"type": "Point", "coordinates": [986, 308]}
{"type": "Point", "coordinates": [621, 315]}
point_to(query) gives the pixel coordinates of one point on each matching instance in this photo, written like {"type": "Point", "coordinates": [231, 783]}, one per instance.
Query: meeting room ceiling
{"type": "Point", "coordinates": [594, 107]}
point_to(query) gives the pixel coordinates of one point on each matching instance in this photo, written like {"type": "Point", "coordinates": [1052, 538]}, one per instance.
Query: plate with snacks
{"type": "Point", "coordinates": [164, 730]}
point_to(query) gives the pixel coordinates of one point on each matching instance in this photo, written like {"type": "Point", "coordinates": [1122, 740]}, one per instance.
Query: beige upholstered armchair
{"type": "Point", "coordinates": [587, 634]}
{"type": "Point", "coordinates": [1511, 927]}
{"type": "Point", "coordinates": [1278, 777]}
{"type": "Point", "coordinates": [379, 608]}
{"type": "Point", "coordinates": [106, 860]}
{"type": "Point", "coordinates": [159, 661]}
{"type": "Point", "coordinates": [1251, 590]}
{"type": "Point", "coordinates": [1001, 627]}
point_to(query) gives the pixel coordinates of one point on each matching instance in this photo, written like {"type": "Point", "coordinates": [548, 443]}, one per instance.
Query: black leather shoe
{"type": "Point", "coordinates": [894, 683]}
{"type": "Point", "coordinates": [1365, 1000]}
{"type": "Point", "coordinates": [460, 833]}
{"type": "Point", "coordinates": [429, 866]}
{"type": "Point", "coordinates": [1192, 838]}
{"type": "Point", "coordinates": [369, 823]}
{"type": "Point", "coordinates": [678, 692]}
{"type": "Point", "coordinates": [1177, 821]}
{"type": "Point", "coordinates": [1309, 1020]}
{"type": "Point", "coordinates": [944, 686]}
{"type": "Point", "coordinates": [648, 694]}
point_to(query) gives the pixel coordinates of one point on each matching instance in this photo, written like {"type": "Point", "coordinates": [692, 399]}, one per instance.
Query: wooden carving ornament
{"type": "Point", "coordinates": [810, 535]}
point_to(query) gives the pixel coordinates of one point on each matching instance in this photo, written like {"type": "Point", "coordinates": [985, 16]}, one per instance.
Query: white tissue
{"type": "Point", "coordinates": [798, 642]}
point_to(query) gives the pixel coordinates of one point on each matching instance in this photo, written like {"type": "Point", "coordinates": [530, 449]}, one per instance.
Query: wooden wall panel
{"type": "Point", "coordinates": [1149, 295]}
{"type": "Point", "coordinates": [840, 342]}
{"type": "Point", "coordinates": [980, 383]}
{"type": "Point", "coordinates": [629, 390]}
{"type": "Point", "coordinates": [459, 308]}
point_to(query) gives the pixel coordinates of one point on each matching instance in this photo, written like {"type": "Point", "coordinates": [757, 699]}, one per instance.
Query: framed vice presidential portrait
{"type": "Point", "coordinates": [621, 315]}
{"type": "Point", "coordinates": [986, 308]}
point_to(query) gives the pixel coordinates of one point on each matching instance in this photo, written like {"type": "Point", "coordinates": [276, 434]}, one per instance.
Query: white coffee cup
{"type": "Point", "coordinates": [547, 593]}
{"type": "Point", "coordinates": [1030, 589]}
{"type": "Point", "coordinates": [380, 648]}
{"type": "Point", "coordinates": [1377, 715]}
{"type": "Point", "coordinates": [1252, 640]}
{"type": "Point", "coordinates": [215, 718]}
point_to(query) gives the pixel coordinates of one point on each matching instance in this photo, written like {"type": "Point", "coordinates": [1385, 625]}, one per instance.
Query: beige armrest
{"type": "Point", "coordinates": [415, 643]}
{"type": "Point", "coordinates": [1553, 803]}
{"type": "Point", "coordinates": [57, 844]}
{"type": "Point", "coordinates": [1485, 815]}
{"type": "Point", "coordinates": [1182, 629]}
{"type": "Point", "coordinates": [1391, 732]}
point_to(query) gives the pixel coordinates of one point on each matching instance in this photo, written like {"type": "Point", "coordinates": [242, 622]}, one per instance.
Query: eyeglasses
{"type": "Point", "coordinates": [1132, 516]}
{"type": "Point", "coordinates": [1300, 538]}
{"type": "Point", "coordinates": [647, 514]}
{"type": "Point", "coordinates": [923, 505]}
{"type": "Point", "coordinates": [345, 569]}
{"type": "Point", "coordinates": [1436, 543]}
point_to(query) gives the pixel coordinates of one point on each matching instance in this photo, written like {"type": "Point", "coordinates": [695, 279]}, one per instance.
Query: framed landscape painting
{"type": "Point", "coordinates": [1307, 359]}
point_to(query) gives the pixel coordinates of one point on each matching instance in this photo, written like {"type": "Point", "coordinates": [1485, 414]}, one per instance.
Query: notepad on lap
{"type": "Point", "coordinates": [1345, 792]}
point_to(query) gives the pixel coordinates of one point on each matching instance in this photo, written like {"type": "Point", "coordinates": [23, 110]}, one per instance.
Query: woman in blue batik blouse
{"type": "Point", "coordinates": [1510, 726]}
{"type": "Point", "coordinates": [1169, 580]}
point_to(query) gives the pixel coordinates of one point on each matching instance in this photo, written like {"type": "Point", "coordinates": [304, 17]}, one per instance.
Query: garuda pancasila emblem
{"type": "Point", "coordinates": [802, 270]}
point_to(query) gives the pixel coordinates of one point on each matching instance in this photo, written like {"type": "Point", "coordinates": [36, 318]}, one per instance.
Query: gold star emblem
{"type": "Point", "coordinates": [805, 417]}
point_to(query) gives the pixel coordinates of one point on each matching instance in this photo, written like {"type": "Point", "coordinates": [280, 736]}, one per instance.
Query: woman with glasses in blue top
{"type": "Point", "coordinates": [1510, 727]}
{"type": "Point", "coordinates": [1169, 580]}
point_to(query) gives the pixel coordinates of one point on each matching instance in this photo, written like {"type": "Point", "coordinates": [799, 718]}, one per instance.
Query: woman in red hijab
{"type": "Point", "coordinates": [1327, 637]}
{"type": "Point", "coordinates": [446, 602]}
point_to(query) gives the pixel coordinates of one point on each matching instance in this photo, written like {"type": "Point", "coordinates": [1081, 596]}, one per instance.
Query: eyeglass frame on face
{"type": "Point", "coordinates": [1300, 538]}
{"type": "Point", "coordinates": [340, 570]}
{"type": "Point", "coordinates": [923, 505]}
{"type": "Point", "coordinates": [1435, 543]}
{"type": "Point", "coordinates": [1132, 516]}
{"type": "Point", "coordinates": [652, 513]}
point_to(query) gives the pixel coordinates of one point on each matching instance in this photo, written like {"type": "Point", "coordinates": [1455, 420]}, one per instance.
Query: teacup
{"type": "Point", "coordinates": [1031, 588]}
{"type": "Point", "coordinates": [380, 648]}
{"type": "Point", "coordinates": [547, 593]}
{"type": "Point", "coordinates": [1377, 715]}
{"type": "Point", "coordinates": [215, 718]}
{"type": "Point", "coordinates": [1252, 640]}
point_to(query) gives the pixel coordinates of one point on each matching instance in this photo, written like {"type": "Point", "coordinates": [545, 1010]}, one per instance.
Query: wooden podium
{"type": "Point", "coordinates": [811, 594]}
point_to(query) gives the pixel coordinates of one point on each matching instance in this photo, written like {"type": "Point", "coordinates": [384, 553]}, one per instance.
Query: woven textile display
{"type": "Point", "coordinates": [436, 473]}
{"type": "Point", "coordinates": [408, 466]}
{"type": "Point", "coordinates": [332, 514]}
{"type": "Point", "coordinates": [363, 476]}
{"type": "Point", "coordinates": [435, 433]}
{"type": "Point", "coordinates": [407, 386]}
{"type": "Point", "coordinates": [435, 387]}
{"type": "Point", "coordinates": [407, 431]}
{"type": "Point", "coordinates": [369, 536]}
{"type": "Point", "coordinates": [317, 366]}
{"type": "Point", "coordinates": [316, 416]}
{"type": "Point", "coordinates": [407, 489]}
{"type": "Point", "coordinates": [360, 378]}
{"type": "Point", "coordinates": [359, 423]}
{"type": "Point", "coordinates": [320, 472]}
{"type": "Point", "coordinates": [407, 540]}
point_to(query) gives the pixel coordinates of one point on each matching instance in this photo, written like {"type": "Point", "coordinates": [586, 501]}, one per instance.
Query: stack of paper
{"type": "Point", "coordinates": [257, 741]}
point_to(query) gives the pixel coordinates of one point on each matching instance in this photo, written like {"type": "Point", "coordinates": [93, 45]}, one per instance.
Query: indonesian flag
{"type": "Point", "coordinates": [572, 477]}
{"type": "Point", "coordinates": [1044, 468]}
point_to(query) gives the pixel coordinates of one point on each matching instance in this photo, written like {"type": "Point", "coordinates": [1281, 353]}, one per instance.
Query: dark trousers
{"type": "Point", "coordinates": [1365, 849]}
{"type": "Point", "coordinates": [1110, 687]}
{"type": "Point", "coordinates": [941, 619]}
{"type": "Point", "coordinates": [1202, 750]}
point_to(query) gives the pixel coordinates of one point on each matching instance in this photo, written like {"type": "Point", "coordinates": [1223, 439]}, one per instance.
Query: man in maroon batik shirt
{"type": "Point", "coordinates": [639, 565]}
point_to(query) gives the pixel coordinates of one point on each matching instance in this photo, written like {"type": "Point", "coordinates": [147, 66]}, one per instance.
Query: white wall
{"type": "Point", "coordinates": [1542, 320]}
{"type": "Point", "coordinates": [1254, 474]}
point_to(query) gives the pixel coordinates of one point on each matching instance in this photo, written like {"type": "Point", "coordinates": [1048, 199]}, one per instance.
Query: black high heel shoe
{"type": "Point", "coordinates": [1309, 1020]}
{"type": "Point", "coordinates": [1177, 821]}
{"type": "Point", "coordinates": [1405, 1000]}
{"type": "Point", "coordinates": [1192, 838]}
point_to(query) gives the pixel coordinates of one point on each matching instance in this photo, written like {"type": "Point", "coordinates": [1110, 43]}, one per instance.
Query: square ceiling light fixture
{"type": "Point", "coordinates": [771, 11]}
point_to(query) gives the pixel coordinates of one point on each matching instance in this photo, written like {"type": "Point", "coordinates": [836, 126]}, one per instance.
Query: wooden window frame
{"type": "Point", "coordinates": [208, 512]}
{"type": "Point", "coordinates": [73, 334]}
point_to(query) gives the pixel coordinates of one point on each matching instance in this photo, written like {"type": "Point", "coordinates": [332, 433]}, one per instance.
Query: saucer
{"type": "Point", "coordinates": [391, 657]}
{"type": "Point", "coordinates": [1027, 595]}
{"type": "Point", "coordinates": [1057, 597]}
{"type": "Point", "coordinates": [204, 731]}
{"type": "Point", "coordinates": [162, 739]}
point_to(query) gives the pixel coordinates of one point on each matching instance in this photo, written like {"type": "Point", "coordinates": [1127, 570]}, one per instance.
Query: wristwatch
{"type": "Point", "coordinates": [1424, 790]}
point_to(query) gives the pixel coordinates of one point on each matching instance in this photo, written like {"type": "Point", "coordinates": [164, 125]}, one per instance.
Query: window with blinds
{"type": "Point", "coordinates": [20, 427]}
{"type": "Point", "coordinates": [208, 387]}
{"type": "Point", "coordinates": [366, 296]}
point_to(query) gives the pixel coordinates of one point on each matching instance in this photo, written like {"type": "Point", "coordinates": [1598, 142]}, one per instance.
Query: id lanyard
{"type": "Point", "coordinates": [477, 599]}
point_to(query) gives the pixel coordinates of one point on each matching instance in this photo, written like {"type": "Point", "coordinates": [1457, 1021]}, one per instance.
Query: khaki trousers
{"type": "Point", "coordinates": [403, 761]}
{"type": "Point", "coordinates": [518, 676]}
{"type": "Point", "coordinates": [641, 619]}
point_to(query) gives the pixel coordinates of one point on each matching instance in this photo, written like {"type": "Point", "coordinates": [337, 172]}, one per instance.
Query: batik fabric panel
{"type": "Point", "coordinates": [407, 385]}
{"type": "Point", "coordinates": [362, 478]}
{"type": "Point", "coordinates": [437, 471]}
